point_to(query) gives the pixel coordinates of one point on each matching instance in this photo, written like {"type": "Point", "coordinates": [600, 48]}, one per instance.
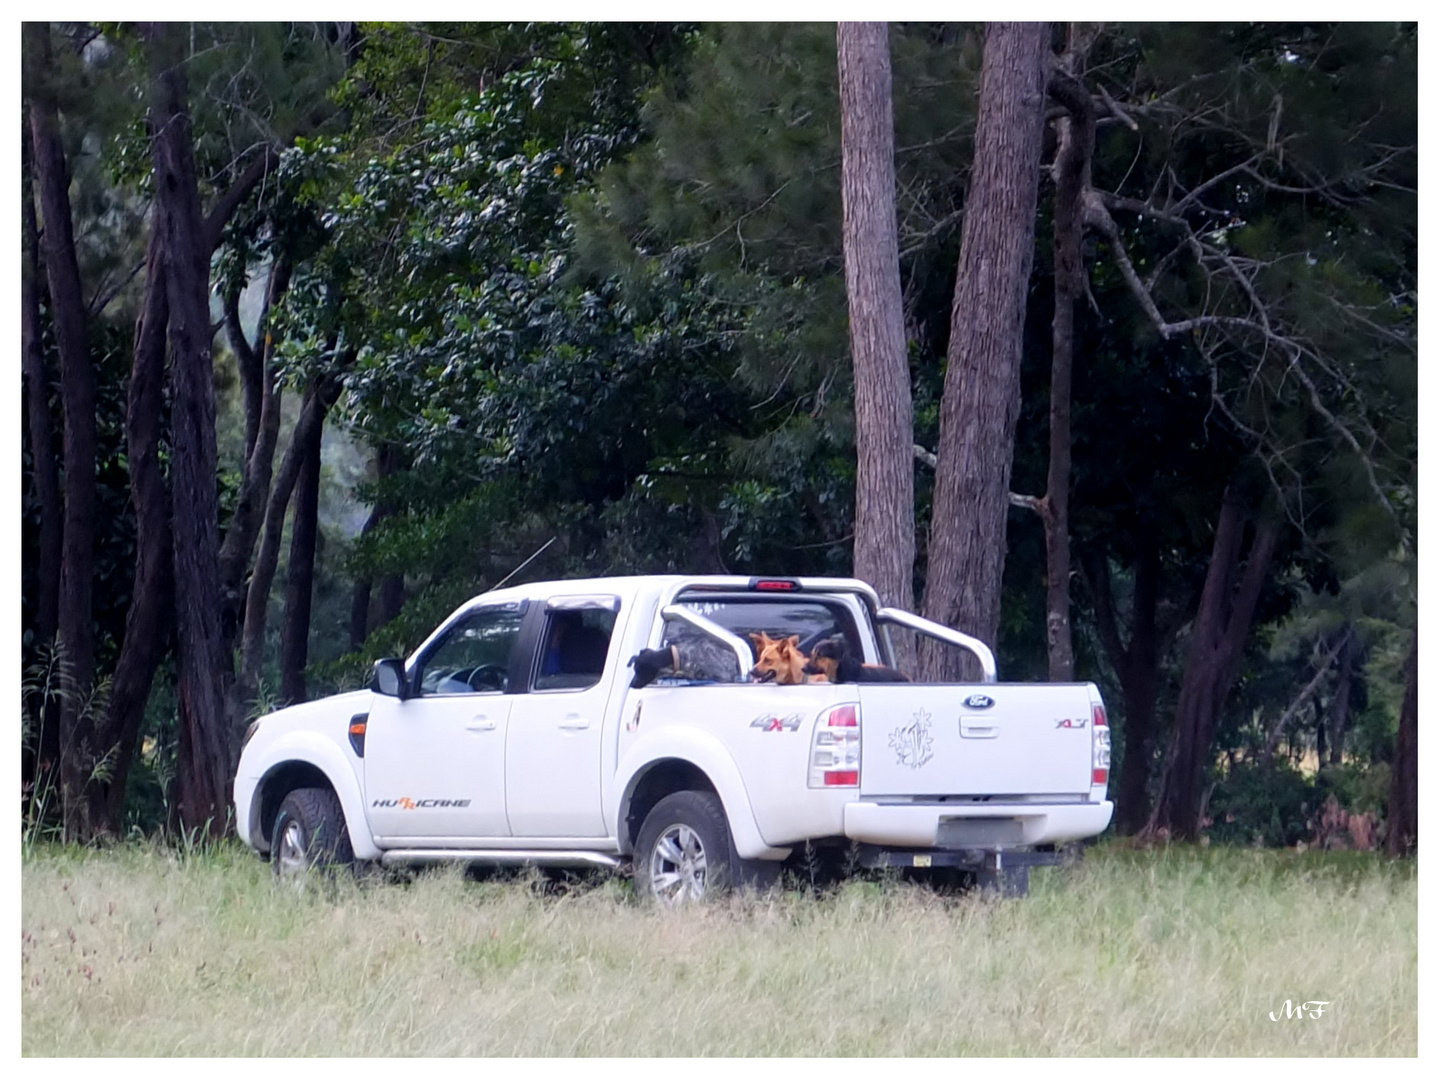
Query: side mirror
{"type": "Point", "coordinates": [388, 678]}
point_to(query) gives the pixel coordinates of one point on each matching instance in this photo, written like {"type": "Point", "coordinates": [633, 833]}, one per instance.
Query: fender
{"type": "Point", "coordinates": [339, 767]}
{"type": "Point", "coordinates": [708, 755]}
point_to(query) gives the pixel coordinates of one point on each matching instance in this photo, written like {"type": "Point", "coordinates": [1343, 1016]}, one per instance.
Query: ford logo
{"type": "Point", "coordinates": [979, 701]}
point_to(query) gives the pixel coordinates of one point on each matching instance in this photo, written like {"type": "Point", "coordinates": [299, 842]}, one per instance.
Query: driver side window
{"type": "Point", "coordinates": [473, 657]}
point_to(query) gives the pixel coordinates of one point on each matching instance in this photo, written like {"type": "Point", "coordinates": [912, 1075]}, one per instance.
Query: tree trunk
{"type": "Point", "coordinates": [1340, 703]}
{"type": "Point", "coordinates": [1402, 817]}
{"type": "Point", "coordinates": [360, 599]}
{"type": "Point", "coordinates": [982, 378]}
{"type": "Point", "coordinates": [392, 588]}
{"type": "Point", "coordinates": [317, 399]}
{"type": "Point", "coordinates": [262, 409]}
{"type": "Point", "coordinates": [1138, 666]}
{"type": "Point", "coordinates": [77, 393]}
{"type": "Point", "coordinates": [300, 573]}
{"type": "Point", "coordinates": [360, 604]}
{"type": "Point", "coordinates": [39, 426]}
{"type": "Point", "coordinates": [1217, 640]}
{"type": "Point", "coordinates": [1072, 176]}
{"type": "Point", "coordinates": [151, 616]}
{"type": "Point", "coordinates": [392, 598]}
{"type": "Point", "coordinates": [204, 667]}
{"type": "Point", "coordinates": [884, 424]}
{"type": "Point", "coordinates": [44, 750]}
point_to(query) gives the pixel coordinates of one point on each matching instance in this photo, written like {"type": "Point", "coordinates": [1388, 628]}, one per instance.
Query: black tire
{"type": "Point", "coordinates": [683, 851]}
{"type": "Point", "coordinates": [309, 832]}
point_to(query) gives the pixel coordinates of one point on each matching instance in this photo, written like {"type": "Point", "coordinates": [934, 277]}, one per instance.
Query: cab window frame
{"type": "Point", "coordinates": [559, 606]}
{"type": "Point", "coordinates": [525, 612]}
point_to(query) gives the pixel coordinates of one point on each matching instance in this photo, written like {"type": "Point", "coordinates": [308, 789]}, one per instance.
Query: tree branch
{"type": "Point", "coordinates": [1272, 737]}
{"type": "Point", "coordinates": [226, 205]}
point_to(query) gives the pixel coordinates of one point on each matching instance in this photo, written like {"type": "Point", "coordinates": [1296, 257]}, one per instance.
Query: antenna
{"type": "Point", "coordinates": [524, 564]}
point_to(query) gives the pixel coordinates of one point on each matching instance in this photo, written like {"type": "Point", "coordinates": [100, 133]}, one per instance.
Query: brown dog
{"type": "Point", "coordinates": [779, 660]}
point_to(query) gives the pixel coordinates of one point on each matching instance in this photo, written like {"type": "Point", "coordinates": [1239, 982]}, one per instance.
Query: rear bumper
{"type": "Point", "coordinates": [953, 825]}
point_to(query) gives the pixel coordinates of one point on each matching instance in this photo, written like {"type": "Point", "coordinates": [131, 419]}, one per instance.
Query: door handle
{"type": "Point", "coordinates": [481, 723]}
{"type": "Point", "coordinates": [575, 723]}
{"type": "Point", "coordinates": [977, 729]}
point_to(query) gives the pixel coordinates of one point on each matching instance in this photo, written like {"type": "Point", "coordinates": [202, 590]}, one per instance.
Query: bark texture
{"type": "Point", "coordinates": [205, 739]}
{"type": "Point", "coordinates": [317, 399]}
{"type": "Point", "coordinates": [884, 424]}
{"type": "Point", "coordinates": [1217, 641]}
{"type": "Point", "coordinates": [262, 400]}
{"type": "Point", "coordinates": [149, 622]}
{"type": "Point", "coordinates": [1072, 177]}
{"type": "Point", "coordinates": [982, 379]}
{"type": "Point", "coordinates": [392, 588]}
{"type": "Point", "coordinates": [79, 757]}
{"type": "Point", "coordinates": [1402, 816]}
{"type": "Point", "coordinates": [39, 426]}
{"type": "Point", "coordinates": [43, 753]}
{"type": "Point", "coordinates": [1138, 666]}
{"type": "Point", "coordinates": [1340, 703]}
{"type": "Point", "coordinates": [300, 572]}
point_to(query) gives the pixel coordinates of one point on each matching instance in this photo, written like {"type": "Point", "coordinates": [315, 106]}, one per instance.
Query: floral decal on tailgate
{"type": "Point", "coordinates": [912, 742]}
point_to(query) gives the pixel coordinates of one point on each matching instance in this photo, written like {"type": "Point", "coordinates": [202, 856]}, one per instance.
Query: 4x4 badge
{"type": "Point", "coordinates": [766, 722]}
{"type": "Point", "coordinates": [979, 701]}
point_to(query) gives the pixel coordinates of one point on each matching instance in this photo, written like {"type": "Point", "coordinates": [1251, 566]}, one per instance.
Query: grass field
{"type": "Point", "coordinates": [1185, 951]}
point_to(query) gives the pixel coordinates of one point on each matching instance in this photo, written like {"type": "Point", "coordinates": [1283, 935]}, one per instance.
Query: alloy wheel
{"type": "Point", "coordinates": [677, 866]}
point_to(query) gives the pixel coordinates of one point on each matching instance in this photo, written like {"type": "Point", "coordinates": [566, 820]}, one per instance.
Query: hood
{"type": "Point", "coordinates": [307, 712]}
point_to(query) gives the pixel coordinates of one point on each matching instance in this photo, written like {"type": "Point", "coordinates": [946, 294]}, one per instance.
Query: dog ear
{"type": "Point", "coordinates": [758, 640]}
{"type": "Point", "coordinates": [794, 641]}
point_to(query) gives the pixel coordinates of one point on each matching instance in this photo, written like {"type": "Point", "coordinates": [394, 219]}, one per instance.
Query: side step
{"type": "Point", "coordinates": [498, 857]}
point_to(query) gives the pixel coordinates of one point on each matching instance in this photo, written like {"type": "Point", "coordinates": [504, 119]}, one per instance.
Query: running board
{"type": "Point", "coordinates": [498, 857]}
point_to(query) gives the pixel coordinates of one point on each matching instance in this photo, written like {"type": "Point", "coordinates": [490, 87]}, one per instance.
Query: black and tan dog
{"type": "Point", "coordinates": [832, 659]}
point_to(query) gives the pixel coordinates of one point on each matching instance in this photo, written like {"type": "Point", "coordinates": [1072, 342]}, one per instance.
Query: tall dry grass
{"type": "Point", "coordinates": [1178, 952]}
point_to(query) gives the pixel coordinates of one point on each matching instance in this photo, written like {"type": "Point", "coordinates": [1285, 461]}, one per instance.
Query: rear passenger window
{"type": "Point", "coordinates": [574, 645]}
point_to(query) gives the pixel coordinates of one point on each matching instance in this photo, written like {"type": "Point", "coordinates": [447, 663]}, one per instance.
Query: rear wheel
{"type": "Point", "coordinates": [682, 852]}
{"type": "Point", "coordinates": [309, 832]}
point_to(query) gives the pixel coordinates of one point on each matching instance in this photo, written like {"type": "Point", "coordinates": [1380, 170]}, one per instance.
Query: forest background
{"type": "Point", "coordinates": [329, 327]}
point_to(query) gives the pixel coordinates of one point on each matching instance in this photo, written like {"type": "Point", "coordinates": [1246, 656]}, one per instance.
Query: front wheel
{"type": "Point", "coordinates": [682, 852]}
{"type": "Point", "coordinates": [309, 832]}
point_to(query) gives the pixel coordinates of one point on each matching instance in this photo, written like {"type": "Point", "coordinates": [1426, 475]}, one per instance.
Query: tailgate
{"type": "Point", "coordinates": [1031, 739]}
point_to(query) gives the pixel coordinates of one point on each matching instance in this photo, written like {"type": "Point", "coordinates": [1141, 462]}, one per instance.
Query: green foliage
{"type": "Point", "coordinates": [586, 281]}
{"type": "Point", "coordinates": [1262, 806]}
{"type": "Point", "coordinates": [1279, 805]}
{"type": "Point", "coordinates": [1361, 788]}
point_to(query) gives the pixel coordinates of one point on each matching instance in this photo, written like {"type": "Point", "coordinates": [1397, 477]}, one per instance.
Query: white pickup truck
{"type": "Point", "coordinates": [513, 735]}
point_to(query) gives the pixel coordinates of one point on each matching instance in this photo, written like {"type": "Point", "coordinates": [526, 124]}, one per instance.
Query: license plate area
{"type": "Point", "coordinates": [978, 832]}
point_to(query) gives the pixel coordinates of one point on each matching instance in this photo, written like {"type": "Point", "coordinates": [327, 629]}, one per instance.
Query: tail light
{"type": "Point", "coordinates": [835, 748]}
{"type": "Point", "coordinates": [1100, 741]}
